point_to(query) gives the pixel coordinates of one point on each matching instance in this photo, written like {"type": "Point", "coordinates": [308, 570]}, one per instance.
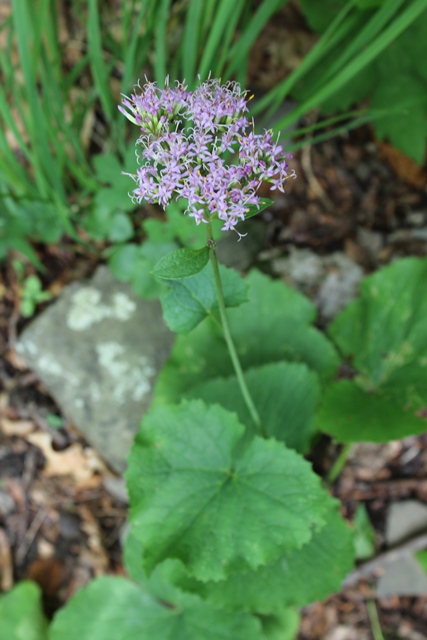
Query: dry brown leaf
{"type": "Point", "coordinates": [73, 461]}
{"type": "Point", "coordinates": [20, 428]}
{"type": "Point", "coordinates": [405, 167]}
{"type": "Point", "coordinates": [96, 554]}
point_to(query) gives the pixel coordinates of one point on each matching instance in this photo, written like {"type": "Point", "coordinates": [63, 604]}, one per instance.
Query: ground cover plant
{"type": "Point", "coordinates": [248, 534]}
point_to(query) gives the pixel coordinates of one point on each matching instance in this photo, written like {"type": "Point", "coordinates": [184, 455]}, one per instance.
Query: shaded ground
{"type": "Point", "coordinates": [61, 526]}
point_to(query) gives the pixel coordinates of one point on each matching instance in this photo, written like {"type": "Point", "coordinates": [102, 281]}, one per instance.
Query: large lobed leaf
{"type": "Point", "coordinates": [384, 335]}
{"type": "Point", "coordinates": [274, 325]}
{"type": "Point", "coordinates": [116, 609]}
{"type": "Point", "coordinates": [21, 615]}
{"type": "Point", "coordinates": [199, 496]}
{"type": "Point", "coordinates": [299, 577]}
{"type": "Point", "coordinates": [286, 395]}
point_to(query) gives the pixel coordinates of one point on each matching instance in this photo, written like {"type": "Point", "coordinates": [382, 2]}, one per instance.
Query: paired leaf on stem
{"type": "Point", "coordinates": [190, 300]}
{"type": "Point", "coordinates": [181, 263]}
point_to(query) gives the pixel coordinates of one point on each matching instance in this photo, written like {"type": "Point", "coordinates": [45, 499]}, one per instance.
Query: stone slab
{"type": "Point", "coordinates": [98, 350]}
{"type": "Point", "coordinates": [403, 577]}
{"type": "Point", "coordinates": [405, 519]}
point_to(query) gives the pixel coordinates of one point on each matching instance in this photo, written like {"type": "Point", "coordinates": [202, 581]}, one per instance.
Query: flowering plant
{"type": "Point", "coordinates": [231, 529]}
{"type": "Point", "coordinates": [186, 138]}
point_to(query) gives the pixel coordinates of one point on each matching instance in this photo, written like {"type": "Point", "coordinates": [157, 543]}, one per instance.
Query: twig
{"type": "Point", "coordinates": [30, 535]}
{"type": "Point", "coordinates": [368, 568]}
{"type": "Point", "coordinates": [6, 568]}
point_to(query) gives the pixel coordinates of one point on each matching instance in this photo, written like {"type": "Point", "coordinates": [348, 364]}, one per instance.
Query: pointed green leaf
{"type": "Point", "coordinates": [254, 210]}
{"type": "Point", "coordinates": [21, 615]}
{"type": "Point", "coordinates": [188, 472]}
{"type": "Point", "coordinates": [364, 534]}
{"type": "Point", "coordinates": [181, 263]}
{"type": "Point", "coordinates": [189, 300]}
{"type": "Point", "coordinates": [299, 577]}
{"type": "Point", "coordinates": [384, 336]}
{"type": "Point", "coordinates": [116, 609]}
{"type": "Point", "coordinates": [285, 393]}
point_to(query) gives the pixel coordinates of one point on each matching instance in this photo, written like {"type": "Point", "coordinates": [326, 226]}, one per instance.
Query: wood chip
{"type": "Point", "coordinates": [6, 567]}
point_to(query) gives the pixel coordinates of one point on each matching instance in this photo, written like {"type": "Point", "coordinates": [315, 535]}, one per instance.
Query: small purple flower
{"type": "Point", "coordinates": [195, 145]}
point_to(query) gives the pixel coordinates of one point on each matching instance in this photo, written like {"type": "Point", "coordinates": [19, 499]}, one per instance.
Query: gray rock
{"type": "Point", "coordinates": [303, 268]}
{"type": "Point", "coordinates": [416, 218]}
{"type": "Point", "coordinates": [330, 281]}
{"type": "Point", "coordinates": [117, 488]}
{"type": "Point", "coordinates": [403, 577]}
{"type": "Point", "coordinates": [371, 241]}
{"type": "Point", "coordinates": [340, 286]}
{"type": "Point", "coordinates": [404, 520]}
{"type": "Point", "coordinates": [98, 350]}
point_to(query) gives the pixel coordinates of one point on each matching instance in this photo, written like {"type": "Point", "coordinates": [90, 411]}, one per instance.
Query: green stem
{"type": "Point", "coordinates": [227, 335]}
{"type": "Point", "coordinates": [374, 620]}
{"type": "Point", "coordinates": [338, 464]}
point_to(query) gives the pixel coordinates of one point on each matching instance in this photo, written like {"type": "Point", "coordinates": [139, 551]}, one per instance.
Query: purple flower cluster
{"type": "Point", "coordinates": [195, 146]}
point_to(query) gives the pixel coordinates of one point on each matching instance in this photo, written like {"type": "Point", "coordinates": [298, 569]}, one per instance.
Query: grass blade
{"type": "Point", "coordinates": [358, 63]}
{"type": "Point", "coordinates": [96, 56]}
{"type": "Point", "coordinates": [191, 39]}
{"type": "Point", "coordinates": [240, 50]}
{"type": "Point", "coordinates": [225, 12]}
{"type": "Point", "coordinates": [161, 49]}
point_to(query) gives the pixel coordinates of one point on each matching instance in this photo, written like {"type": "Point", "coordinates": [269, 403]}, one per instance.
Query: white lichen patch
{"type": "Point", "coordinates": [131, 381]}
{"type": "Point", "coordinates": [27, 348]}
{"type": "Point", "coordinates": [48, 364]}
{"type": "Point", "coordinates": [123, 306]}
{"type": "Point", "coordinates": [108, 353]}
{"type": "Point", "coordinates": [87, 308]}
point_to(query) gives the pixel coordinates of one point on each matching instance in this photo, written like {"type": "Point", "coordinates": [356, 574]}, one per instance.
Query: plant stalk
{"type": "Point", "coordinates": [374, 620]}
{"type": "Point", "coordinates": [227, 335]}
{"type": "Point", "coordinates": [339, 463]}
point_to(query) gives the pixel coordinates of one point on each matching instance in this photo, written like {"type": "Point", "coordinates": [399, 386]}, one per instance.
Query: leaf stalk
{"type": "Point", "coordinates": [228, 337]}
